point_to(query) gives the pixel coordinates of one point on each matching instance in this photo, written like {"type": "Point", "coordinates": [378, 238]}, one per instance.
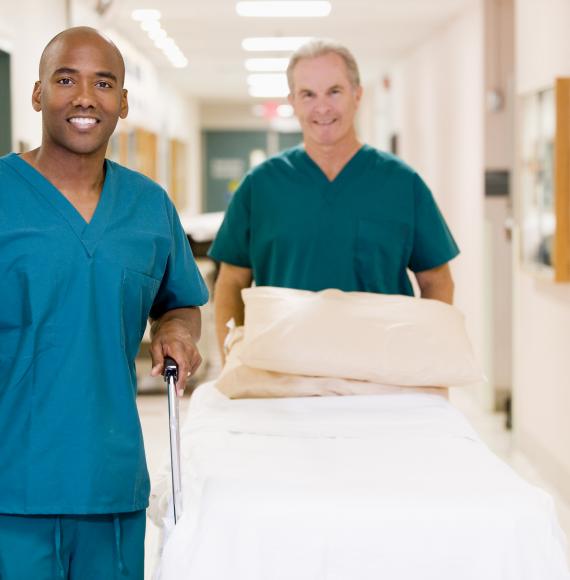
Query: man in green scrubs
{"type": "Point", "coordinates": [88, 251]}
{"type": "Point", "coordinates": [332, 213]}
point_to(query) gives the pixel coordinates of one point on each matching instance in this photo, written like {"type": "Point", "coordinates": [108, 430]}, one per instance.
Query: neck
{"type": "Point", "coordinates": [331, 159]}
{"type": "Point", "coordinates": [69, 171]}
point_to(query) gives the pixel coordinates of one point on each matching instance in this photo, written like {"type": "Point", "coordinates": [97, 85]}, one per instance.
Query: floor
{"type": "Point", "coordinates": [152, 403]}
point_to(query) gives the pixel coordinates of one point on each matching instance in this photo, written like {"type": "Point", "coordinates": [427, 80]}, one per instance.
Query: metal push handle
{"type": "Point", "coordinates": [171, 376]}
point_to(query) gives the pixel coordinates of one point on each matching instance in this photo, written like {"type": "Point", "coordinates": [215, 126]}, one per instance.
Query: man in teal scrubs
{"type": "Point", "coordinates": [88, 251]}
{"type": "Point", "coordinates": [332, 213]}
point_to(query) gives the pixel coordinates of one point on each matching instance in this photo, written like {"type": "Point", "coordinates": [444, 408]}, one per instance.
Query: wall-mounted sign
{"type": "Point", "coordinates": [227, 168]}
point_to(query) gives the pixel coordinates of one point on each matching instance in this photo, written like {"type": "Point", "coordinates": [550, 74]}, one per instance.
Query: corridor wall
{"type": "Point", "coordinates": [439, 121]}
{"type": "Point", "coordinates": [541, 392]}
{"type": "Point", "coordinates": [25, 28]}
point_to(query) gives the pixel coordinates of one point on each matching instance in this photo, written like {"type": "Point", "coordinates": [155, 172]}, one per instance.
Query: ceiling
{"type": "Point", "coordinates": [209, 33]}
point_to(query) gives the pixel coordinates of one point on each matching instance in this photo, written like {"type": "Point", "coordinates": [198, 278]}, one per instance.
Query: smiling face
{"type": "Point", "coordinates": [80, 92]}
{"type": "Point", "coordinates": [324, 100]}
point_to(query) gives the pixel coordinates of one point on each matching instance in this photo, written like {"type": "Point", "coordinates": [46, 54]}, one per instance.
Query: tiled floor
{"type": "Point", "coordinates": [154, 416]}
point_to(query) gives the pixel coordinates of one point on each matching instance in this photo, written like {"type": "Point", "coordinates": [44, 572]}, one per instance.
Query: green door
{"type": "Point", "coordinates": [228, 156]}
{"type": "Point", "coordinates": [226, 161]}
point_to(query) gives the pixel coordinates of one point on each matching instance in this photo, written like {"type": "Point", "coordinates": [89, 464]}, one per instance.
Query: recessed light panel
{"type": "Point", "coordinates": [274, 43]}
{"type": "Point", "coordinates": [284, 9]}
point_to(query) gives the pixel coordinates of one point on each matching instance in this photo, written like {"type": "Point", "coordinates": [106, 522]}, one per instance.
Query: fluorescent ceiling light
{"type": "Point", "coordinates": [150, 25]}
{"type": "Point", "coordinates": [268, 92]}
{"type": "Point", "coordinates": [284, 9]}
{"type": "Point", "coordinates": [268, 85]}
{"type": "Point", "coordinates": [285, 111]}
{"type": "Point", "coordinates": [142, 15]}
{"type": "Point", "coordinates": [166, 44]}
{"type": "Point", "coordinates": [157, 34]}
{"type": "Point", "coordinates": [266, 64]}
{"type": "Point", "coordinates": [172, 51]}
{"type": "Point", "coordinates": [277, 43]}
{"type": "Point", "coordinates": [267, 79]}
{"type": "Point", "coordinates": [179, 62]}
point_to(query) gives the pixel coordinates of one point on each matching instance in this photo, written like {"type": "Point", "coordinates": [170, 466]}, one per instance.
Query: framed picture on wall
{"type": "Point", "coordinates": [545, 182]}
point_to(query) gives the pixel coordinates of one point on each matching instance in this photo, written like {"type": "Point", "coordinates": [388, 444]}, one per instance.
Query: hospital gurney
{"type": "Point", "coordinates": [396, 486]}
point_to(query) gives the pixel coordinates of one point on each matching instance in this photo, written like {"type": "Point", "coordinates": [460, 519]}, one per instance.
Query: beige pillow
{"type": "Point", "coordinates": [384, 339]}
{"type": "Point", "coordinates": [238, 381]}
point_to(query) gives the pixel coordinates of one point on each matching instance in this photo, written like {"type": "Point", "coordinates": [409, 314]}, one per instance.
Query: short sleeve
{"type": "Point", "coordinates": [232, 243]}
{"type": "Point", "coordinates": [182, 285]}
{"type": "Point", "coordinates": [433, 244]}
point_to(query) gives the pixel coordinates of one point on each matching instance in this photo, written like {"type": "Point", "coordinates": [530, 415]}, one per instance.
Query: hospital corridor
{"type": "Point", "coordinates": [285, 290]}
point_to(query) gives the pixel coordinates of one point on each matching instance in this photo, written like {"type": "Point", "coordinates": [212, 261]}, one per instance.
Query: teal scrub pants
{"type": "Point", "coordinates": [98, 547]}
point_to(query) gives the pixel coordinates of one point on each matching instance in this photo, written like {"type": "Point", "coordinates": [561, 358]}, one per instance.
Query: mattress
{"type": "Point", "coordinates": [395, 486]}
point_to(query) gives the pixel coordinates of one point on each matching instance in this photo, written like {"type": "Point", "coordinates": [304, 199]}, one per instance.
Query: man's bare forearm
{"type": "Point", "coordinates": [189, 318]}
{"type": "Point", "coordinates": [227, 299]}
{"type": "Point", "coordinates": [443, 292]}
{"type": "Point", "coordinates": [436, 284]}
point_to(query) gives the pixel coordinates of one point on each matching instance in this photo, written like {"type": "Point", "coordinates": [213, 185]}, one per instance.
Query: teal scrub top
{"type": "Point", "coordinates": [360, 232]}
{"type": "Point", "coordinates": [75, 298]}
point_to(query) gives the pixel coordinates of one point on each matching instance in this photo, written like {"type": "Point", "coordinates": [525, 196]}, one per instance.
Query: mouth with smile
{"type": "Point", "coordinates": [83, 123]}
{"type": "Point", "coordinates": [324, 122]}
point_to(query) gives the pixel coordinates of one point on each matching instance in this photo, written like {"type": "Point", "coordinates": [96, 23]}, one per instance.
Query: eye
{"type": "Point", "coordinates": [103, 85]}
{"type": "Point", "coordinates": [65, 81]}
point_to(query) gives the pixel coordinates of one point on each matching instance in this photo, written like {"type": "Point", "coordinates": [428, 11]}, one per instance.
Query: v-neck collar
{"type": "Point", "coordinates": [329, 188]}
{"type": "Point", "coordinates": [88, 233]}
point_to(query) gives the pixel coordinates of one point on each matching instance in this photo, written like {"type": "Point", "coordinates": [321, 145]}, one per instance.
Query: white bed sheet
{"type": "Point", "coordinates": [395, 487]}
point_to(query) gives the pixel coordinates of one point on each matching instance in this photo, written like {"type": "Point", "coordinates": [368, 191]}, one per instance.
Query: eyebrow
{"type": "Point", "coordinates": [101, 74]}
{"type": "Point", "coordinates": [307, 90]}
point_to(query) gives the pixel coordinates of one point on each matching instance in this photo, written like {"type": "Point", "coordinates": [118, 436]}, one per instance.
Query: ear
{"type": "Point", "coordinates": [291, 101]}
{"type": "Point", "coordinates": [124, 105]}
{"type": "Point", "coordinates": [37, 96]}
{"type": "Point", "coordinates": [358, 94]}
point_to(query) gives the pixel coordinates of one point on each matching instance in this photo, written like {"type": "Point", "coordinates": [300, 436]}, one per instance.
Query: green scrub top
{"type": "Point", "coordinates": [360, 232]}
{"type": "Point", "coordinates": [75, 299]}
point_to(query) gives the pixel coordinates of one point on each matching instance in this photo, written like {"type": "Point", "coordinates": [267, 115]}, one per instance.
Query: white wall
{"type": "Point", "coordinates": [155, 105]}
{"type": "Point", "coordinates": [541, 392]}
{"type": "Point", "coordinates": [499, 76]}
{"type": "Point", "coordinates": [498, 263]}
{"type": "Point", "coordinates": [439, 110]}
{"type": "Point", "coordinates": [25, 28]}
{"type": "Point", "coordinates": [499, 151]}
{"type": "Point", "coordinates": [229, 116]}
{"type": "Point", "coordinates": [375, 121]}
{"type": "Point", "coordinates": [542, 42]}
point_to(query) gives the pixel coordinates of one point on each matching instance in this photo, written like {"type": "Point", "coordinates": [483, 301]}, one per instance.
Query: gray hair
{"type": "Point", "coordinates": [320, 47]}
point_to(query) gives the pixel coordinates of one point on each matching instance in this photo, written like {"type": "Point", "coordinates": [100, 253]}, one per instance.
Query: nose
{"type": "Point", "coordinates": [322, 104]}
{"type": "Point", "coordinates": [84, 96]}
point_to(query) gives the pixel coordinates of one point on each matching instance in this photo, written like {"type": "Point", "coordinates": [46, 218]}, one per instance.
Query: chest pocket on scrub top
{"type": "Point", "coordinates": [138, 294]}
{"type": "Point", "coordinates": [381, 254]}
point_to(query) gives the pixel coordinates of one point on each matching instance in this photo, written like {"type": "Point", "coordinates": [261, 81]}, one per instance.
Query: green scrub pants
{"type": "Point", "coordinates": [96, 547]}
